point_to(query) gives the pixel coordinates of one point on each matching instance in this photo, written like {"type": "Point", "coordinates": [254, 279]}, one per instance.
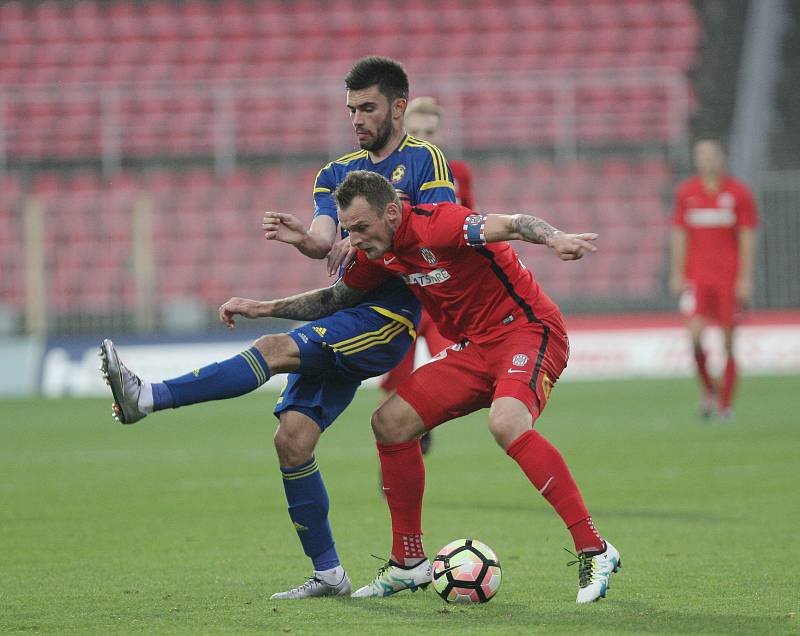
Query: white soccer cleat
{"type": "Point", "coordinates": [315, 587]}
{"type": "Point", "coordinates": [392, 579]}
{"type": "Point", "coordinates": [125, 385]}
{"type": "Point", "coordinates": [594, 573]}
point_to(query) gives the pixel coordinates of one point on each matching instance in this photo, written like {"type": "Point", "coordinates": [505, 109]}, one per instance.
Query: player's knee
{"type": "Point", "coordinates": [506, 427]}
{"type": "Point", "coordinates": [291, 448]}
{"type": "Point", "coordinates": [280, 353]}
{"type": "Point", "coordinates": [392, 426]}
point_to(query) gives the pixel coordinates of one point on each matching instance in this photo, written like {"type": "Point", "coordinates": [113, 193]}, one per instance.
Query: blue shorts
{"type": "Point", "coordinates": [337, 353]}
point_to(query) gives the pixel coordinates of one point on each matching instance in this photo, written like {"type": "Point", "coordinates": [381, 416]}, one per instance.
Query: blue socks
{"type": "Point", "coordinates": [308, 510]}
{"type": "Point", "coordinates": [230, 378]}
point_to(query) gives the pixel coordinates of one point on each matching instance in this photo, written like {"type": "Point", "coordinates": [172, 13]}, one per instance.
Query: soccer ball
{"type": "Point", "coordinates": [466, 571]}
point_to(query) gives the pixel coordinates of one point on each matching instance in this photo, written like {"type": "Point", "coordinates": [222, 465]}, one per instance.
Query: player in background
{"type": "Point", "coordinates": [713, 248]}
{"type": "Point", "coordinates": [512, 347]}
{"type": "Point", "coordinates": [328, 358]}
{"type": "Point", "coordinates": [423, 120]}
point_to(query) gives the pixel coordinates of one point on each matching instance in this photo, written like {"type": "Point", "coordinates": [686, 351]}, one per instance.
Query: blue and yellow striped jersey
{"type": "Point", "coordinates": [417, 169]}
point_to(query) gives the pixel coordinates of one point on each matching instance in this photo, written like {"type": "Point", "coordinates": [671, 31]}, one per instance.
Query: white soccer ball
{"type": "Point", "coordinates": [466, 571]}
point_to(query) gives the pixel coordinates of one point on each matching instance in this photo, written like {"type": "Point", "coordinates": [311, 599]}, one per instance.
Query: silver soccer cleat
{"type": "Point", "coordinates": [125, 385]}
{"type": "Point", "coordinates": [316, 587]}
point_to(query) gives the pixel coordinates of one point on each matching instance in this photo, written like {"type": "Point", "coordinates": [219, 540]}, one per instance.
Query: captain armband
{"type": "Point", "coordinates": [474, 230]}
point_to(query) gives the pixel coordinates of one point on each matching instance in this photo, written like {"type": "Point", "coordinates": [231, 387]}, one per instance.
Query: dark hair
{"type": "Point", "coordinates": [389, 75]}
{"type": "Point", "coordinates": [372, 186]}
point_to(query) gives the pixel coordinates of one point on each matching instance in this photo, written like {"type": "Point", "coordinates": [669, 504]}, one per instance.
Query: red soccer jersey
{"type": "Point", "coordinates": [462, 179]}
{"type": "Point", "coordinates": [470, 289]}
{"type": "Point", "coordinates": [712, 221]}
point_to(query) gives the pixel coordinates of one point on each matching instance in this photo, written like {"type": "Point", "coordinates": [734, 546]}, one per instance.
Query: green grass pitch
{"type": "Point", "coordinates": [178, 524]}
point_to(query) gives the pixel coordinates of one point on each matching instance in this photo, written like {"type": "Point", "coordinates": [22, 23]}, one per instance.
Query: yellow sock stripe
{"type": "Point", "coordinates": [347, 349]}
{"type": "Point", "coordinates": [390, 335]}
{"type": "Point", "coordinates": [398, 318]}
{"type": "Point", "coordinates": [261, 377]}
{"type": "Point", "coordinates": [308, 470]}
{"type": "Point", "coordinates": [361, 336]}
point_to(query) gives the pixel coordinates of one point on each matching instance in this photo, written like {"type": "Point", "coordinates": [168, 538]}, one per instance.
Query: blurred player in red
{"type": "Point", "coordinates": [512, 348]}
{"type": "Point", "coordinates": [423, 120]}
{"type": "Point", "coordinates": [713, 246]}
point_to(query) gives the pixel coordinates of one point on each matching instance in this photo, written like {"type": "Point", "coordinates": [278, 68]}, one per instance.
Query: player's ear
{"type": "Point", "coordinates": [392, 212]}
{"type": "Point", "coordinates": [399, 107]}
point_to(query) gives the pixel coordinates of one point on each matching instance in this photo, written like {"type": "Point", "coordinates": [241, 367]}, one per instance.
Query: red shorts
{"type": "Point", "coordinates": [524, 364]}
{"type": "Point", "coordinates": [712, 302]}
{"type": "Point", "coordinates": [435, 341]}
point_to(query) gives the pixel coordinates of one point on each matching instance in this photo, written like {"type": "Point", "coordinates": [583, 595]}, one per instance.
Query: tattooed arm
{"type": "Point", "coordinates": [309, 305]}
{"type": "Point", "coordinates": [532, 229]}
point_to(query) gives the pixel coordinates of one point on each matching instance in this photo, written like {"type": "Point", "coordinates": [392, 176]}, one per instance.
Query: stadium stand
{"type": "Point", "coordinates": [156, 93]}
{"type": "Point", "coordinates": [171, 71]}
{"type": "Point", "coordinates": [208, 245]}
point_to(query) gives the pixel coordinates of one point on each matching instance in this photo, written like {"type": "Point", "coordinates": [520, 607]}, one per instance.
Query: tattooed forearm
{"type": "Point", "coordinates": [532, 229]}
{"type": "Point", "coordinates": [317, 303]}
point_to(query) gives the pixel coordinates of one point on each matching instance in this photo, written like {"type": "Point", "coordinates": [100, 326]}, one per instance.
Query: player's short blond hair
{"type": "Point", "coordinates": [375, 188]}
{"type": "Point", "coordinates": [424, 106]}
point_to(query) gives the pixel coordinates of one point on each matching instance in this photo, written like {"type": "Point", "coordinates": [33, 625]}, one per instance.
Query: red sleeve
{"type": "Point", "coordinates": [746, 214]}
{"type": "Point", "coordinates": [363, 274]}
{"type": "Point", "coordinates": [453, 225]}
{"type": "Point", "coordinates": [679, 217]}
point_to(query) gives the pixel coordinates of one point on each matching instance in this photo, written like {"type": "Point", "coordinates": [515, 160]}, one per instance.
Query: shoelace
{"type": "Point", "coordinates": [584, 562]}
{"type": "Point", "coordinates": [386, 565]}
{"type": "Point", "coordinates": [308, 584]}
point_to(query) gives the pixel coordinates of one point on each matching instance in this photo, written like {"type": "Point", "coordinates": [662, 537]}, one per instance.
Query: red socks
{"type": "Point", "coordinates": [728, 378]}
{"type": "Point", "coordinates": [544, 466]}
{"type": "Point", "coordinates": [702, 371]}
{"type": "Point", "coordinates": [728, 383]}
{"type": "Point", "coordinates": [404, 483]}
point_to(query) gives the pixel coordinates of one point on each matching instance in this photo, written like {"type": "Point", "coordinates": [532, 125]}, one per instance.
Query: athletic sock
{"type": "Point", "coordinates": [230, 378]}
{"type": "Point", "coordinates": [728, 383]}
{"type": "Point", "coordinates": [545, 467]}
{"type": "Point", "coordinates": [331, 576]}
{"type": "Point", "coordinates": [308, 510]}
{"type": "Point", "coordinates": [404, 484]}
{"type": "Point", "coordinates": [702, 370]}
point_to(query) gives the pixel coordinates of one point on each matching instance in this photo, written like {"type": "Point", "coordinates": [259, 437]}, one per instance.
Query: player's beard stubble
{"type": "Point", "coordinates": [381, 136]}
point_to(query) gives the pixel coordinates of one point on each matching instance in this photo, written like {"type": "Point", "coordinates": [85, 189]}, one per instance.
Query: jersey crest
{"type": "Point", "coordinates": [398, 173]}
{"type": "Point", "coordinates": [429, 256]}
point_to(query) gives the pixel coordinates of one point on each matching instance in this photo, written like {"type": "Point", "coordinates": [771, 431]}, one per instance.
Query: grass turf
{"type": "Point", "coordinates": [178, 524]}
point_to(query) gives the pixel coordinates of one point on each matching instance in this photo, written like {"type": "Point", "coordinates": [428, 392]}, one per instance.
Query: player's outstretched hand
{"type": "Point", "coordinates": [341, 255]}
{"type": "Point", "coordinates": [239, 307]}
{"type": "Point", "coordinates": [571, 247]}
{"type": "Point", "coordinates": [283, 227]}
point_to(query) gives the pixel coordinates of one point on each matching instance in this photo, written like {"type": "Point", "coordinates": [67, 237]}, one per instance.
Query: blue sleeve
{"type": "Point", "coordinates": [435, 183]}
{"type": "Point", "coordinates": [324, 185]}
